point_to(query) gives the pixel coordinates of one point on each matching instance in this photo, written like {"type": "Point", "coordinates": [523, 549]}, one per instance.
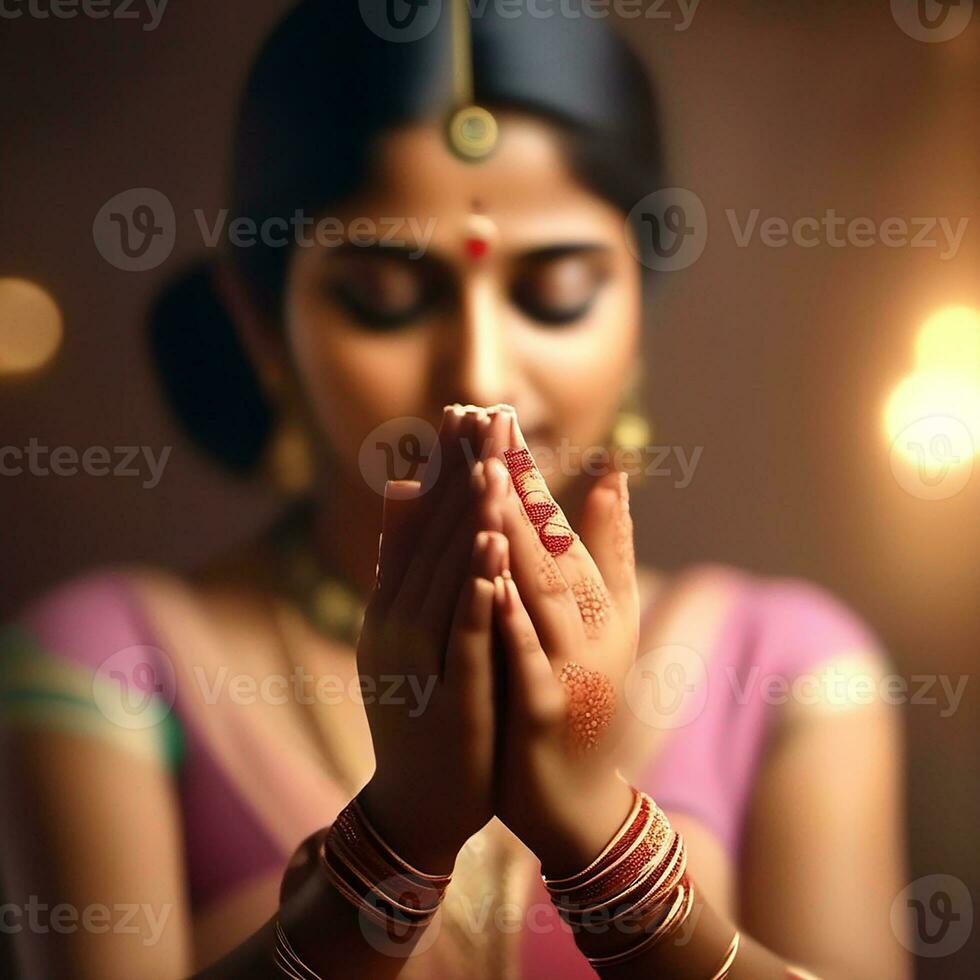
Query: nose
{"type": "Point", "coordinates": [479, 356]}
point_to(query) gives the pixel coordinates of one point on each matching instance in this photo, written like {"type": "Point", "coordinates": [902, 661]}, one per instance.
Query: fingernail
{"type": "Point", "coordinates": [401, 489]}
{"type": "Point", "coordinates": [499, 592]}
{"type": "Point", "coordinates": [624, 490]}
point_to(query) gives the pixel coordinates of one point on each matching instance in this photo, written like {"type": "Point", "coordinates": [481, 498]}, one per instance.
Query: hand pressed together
{"type": "Point", "coordinates": [528, 631]}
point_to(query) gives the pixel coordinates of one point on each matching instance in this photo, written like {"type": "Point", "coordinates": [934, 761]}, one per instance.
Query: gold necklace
{"type": "Point", "coordinates": [329, 603]}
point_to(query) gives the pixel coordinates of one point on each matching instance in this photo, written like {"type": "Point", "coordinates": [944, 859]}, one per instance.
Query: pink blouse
{"type": "Point", "coordinates": [770, 627]}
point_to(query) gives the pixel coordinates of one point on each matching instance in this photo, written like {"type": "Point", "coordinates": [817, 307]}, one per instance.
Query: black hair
{"type": "Point", "coordinates": [329, 81]}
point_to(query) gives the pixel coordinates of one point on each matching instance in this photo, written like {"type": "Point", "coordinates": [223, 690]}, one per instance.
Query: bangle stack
{"type": "Point", "coordinates": [288, 960]}
{"type": "Point", "coordinates": [639, 883]}
{"type": "Point", "coordinates": [372, 877]}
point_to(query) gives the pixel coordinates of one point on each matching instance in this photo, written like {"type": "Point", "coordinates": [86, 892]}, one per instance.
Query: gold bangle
{"type": "Point", "coordinates": [395, 858]}
{"type": "Point", "coordinates": [578, 879]}
{"type": "Point", "coordinates": [655, 900]}
{"type": "Point", "coordinates": [679, 911]}
{"type": "Point", "coordinates": [288, 960]}
{"type": "Point", "coordinates": [640, 838]}
{"type": "Point", "coordinates": [349, 860]}
{"type": "Point", "coordinates": [730, 955]}
{"type": "Point", "coordinates": [359, 901]}
{"type": "Point", "coordinates": [679, 858]}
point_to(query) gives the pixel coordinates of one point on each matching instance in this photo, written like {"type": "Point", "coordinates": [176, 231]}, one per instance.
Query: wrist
{"type": "Point", "coordinates": [409, 835]}
{"type": "Point", "coordinates": [590, 821]}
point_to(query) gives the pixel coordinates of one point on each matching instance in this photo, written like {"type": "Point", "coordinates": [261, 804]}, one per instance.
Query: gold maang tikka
{"type": "Point", "coordinates": [472, 129]}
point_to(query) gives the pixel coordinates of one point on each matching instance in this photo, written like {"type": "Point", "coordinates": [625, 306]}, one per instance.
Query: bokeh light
{"type": "Point", "coordinates": [949, 342]}
{"type": "Point", "coordinates": [30, 326]}
{"type": "Point", "coordinates": [939, 401]}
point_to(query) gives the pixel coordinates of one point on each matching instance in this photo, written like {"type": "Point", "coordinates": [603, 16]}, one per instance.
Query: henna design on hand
{"type": "Point", "coordinates": [593, 604]}
{"type": "Point", "coordinates": [624, 525]}
{"type": "Point", "coordinates": [550, 577]}
{"type": "Point", "coordinates": [591, 705]}
{"type": "Point", "coordinates": [554, 531]}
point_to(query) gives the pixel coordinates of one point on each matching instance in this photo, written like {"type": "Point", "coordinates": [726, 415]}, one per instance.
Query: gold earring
{"type": "Point", "coordinates": [632, 429]}
{"type": "Point", "coordinates": [288, 460]}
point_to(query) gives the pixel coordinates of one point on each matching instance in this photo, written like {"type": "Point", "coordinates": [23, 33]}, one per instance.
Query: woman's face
{"type": "Point", "coordinates": [404, 317]}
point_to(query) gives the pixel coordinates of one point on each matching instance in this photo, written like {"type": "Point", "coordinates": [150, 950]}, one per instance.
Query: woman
{"type": "Point", "coordinates": [171, 741]}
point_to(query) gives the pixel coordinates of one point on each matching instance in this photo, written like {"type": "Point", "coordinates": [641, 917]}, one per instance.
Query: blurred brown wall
{"type": "Point", "coordinates": [776, 361]}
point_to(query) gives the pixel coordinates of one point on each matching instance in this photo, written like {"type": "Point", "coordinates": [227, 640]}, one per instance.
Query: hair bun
{"type": "Point", "coordinates": [205, 372]}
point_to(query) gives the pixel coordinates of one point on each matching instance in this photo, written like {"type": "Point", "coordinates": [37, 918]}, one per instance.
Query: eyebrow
{"type": "Point", "coordinates": [549, 252]}
{"type": "Point", "coordinates": [410, 253]}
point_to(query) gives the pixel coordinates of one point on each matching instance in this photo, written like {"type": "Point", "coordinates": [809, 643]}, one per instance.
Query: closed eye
{"type": "Point", "coordinates": [558, 286]}
{"type": "Point", "coordinates": [385, 289]}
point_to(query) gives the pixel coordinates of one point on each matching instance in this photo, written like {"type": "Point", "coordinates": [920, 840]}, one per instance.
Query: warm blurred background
{"type": "Point", "coordinates": [779, 362]}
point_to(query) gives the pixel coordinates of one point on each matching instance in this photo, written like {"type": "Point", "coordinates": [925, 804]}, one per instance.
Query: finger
{"type": "Point", "coordinates": [498, 437]}
{"type": "Point", "coordinates": [412, 518]}
{"type": "Point", "coordinates": [462, 428]}
{"type": "Point", "coordinates": [607, 533]}
{"type": "Point", "coordinates": [476, 424]}
{"type": "Point", "coordinates": [443, 457]}
{"type": "Point", "coordinates": [447, 574]}
{"type": "Point", "coordinates": [554, 531]}
{"type": "Point", "coordinates": [442, 507]}
{"type": "Point", "coordinates": [468, 670]}
{"type": "Point", "coordinates": [533, 690]}
{"type": "Point", "coordinates": [395, 545]}
{"type": "Point", "coordinates": [432, 541]}
{"type": "Point", "coordinates": [549, 600]}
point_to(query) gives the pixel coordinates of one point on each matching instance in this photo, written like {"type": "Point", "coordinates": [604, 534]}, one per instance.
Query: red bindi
{"type": "Point", "coordinates": [476, 248]}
